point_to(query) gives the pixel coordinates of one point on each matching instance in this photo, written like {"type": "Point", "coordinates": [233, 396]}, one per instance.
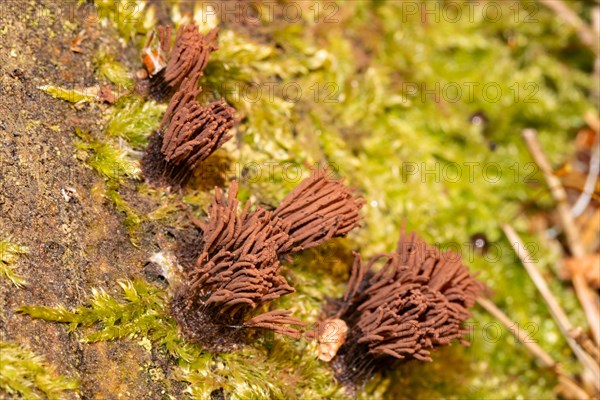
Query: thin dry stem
{"type": "Point", "coordinates": [585, 342]}
{"type": "Point", "coordinates": [584, 31]}
{"type": "Point", "coordinates": [587, 297]}
{"type": "Point", "coordinates": [555, 309]}
{"type": "Point", "coordinates": [570, 386]}
{"type": "Point", "coordinates": [533, 347]}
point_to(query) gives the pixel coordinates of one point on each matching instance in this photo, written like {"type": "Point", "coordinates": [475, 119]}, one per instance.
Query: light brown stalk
{"type": "Point", "coordinates": [570, 387]}
{"type": "Point", "coordinates": [565, 13]}
{"type": "Point", "coordinates": [587, 297]}
{"type": "Point", "coordinates": [533, 347]}
{"type": "Point", "coordinates": [556, 310]}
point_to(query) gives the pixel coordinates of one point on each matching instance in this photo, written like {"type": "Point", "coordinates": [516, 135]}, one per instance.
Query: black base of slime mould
{"type": "Point", "coordinates": [159, 172]}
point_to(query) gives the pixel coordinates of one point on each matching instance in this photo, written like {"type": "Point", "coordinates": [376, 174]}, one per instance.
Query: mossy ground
{"type": "Point", "coordinates": [362, 69]}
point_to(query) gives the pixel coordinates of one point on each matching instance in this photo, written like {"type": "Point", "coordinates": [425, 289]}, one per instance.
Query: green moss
{"type": "Point", "coordinates": [28, 376]}
{"type": "Point", "coordinates": [132, 19]}
{"type": "Point", "coordinates": [167, 205]}
{"type": "Point", "coordinates": [132, 218]}
{"type": "Point", "coordinates": [249, 76]}
{"type": "Point", "coordinates": [383, 112]}
{"type": "Point", "coordinates": [134, 119]}
{"type": "Point", "coordinates": [141, 313]}
{"type": "Point", "coordinates": [115, 164]}
{"type": "Point", "coordinates": [108, 68]}
{"type": "Point", "coordinates": [272, 367]}
{"type": "Point", "coordinates": [162, 212]}
{"type": "Point", "coordinates": [9, 254]}
{"type": "Point", "coordinates": [106, 158]}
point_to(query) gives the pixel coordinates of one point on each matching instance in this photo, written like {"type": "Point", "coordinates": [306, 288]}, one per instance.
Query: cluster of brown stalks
{"type": "Point", "coordinates": [189, 132]}
{"type": "Point", "coordinates": [190, 54]}
{"type": "Point", "coordinates": [238, 270]}
{"type": "Point", "coordinates": [398, 307]}
{"type": "Point", "coordinates": [418, 300]}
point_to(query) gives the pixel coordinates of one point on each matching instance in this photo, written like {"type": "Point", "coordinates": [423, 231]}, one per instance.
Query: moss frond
{"type": "Point", "coordinates": [114, 71]}
{"type": "Point", "coordinates": [9, 254]}
{"type": "Point", "coordinates": [249, 76]}
{"type": "Point", "coordinates": [142, 313]}
{"type": "Point", "coordinates": [275, 367]}
{"type": "Point", "coordinates": [107, 158]}
{"type": "Point", "coordinates": [27, 375]}
{"type": "Point", "coordinates": [78, 96]}
{"type": "Point", "coordinates": [128, 17]}
{"type": "Point", "coordinates": [134, 120]}
{"type": "Point", "coordinates": [115, 165]}
{"type": "Point", "coordinates": [133, 219]}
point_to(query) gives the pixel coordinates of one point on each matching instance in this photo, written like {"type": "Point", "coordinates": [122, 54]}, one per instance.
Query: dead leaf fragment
{"type": "Point", "coordinates": [588, 266]}
{"type": "Point", "coordinates": [75, 43]}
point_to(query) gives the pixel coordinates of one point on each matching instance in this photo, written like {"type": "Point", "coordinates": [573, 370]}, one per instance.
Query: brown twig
{"type": "Point", "coordinates": [573, 389]}
{"type": "Point", "coordinates": [585, 32]}
{"type": "Point", "coordinates": [585, 342]}
{"type": "Point", "coordinates": [558, 192]}
{"type": "Point", "coordinates": [555, 309]}
{"type": "Point", "coordinates": [533, 347]}
{"type": "Point", "coordinates": [588, 299]}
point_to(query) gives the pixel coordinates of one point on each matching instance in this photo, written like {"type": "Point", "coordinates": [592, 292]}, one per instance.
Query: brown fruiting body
{"type": "Point", "coordinates": [190, 54]}
{"type": "Point", "coordinates": [238, 270]}
{"type": "Point", "coordinates": [189, 132]}
{"type": "Point", "coordinates": [417, 301]}
{"type": "Point", "coordinates": [195, 132]}
{"type": "Point", "coordinates": [192, 135]}
{"type": "Point", "coordinates": [319, 208]}
{"type": "Point", "coordinates": [168, 69]}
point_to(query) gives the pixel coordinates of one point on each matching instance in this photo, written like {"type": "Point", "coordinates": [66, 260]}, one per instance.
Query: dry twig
{"type": "Point", "coordinates": [533, 347]}
{"type": "Point", "coordinates": [555, 309]}
{"type": "Point", "coordinates": [588, 299]}
{"type": "Point", "coordinates": [584, 31]}
{"type": "Point", "coordinates": [570, 386]}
